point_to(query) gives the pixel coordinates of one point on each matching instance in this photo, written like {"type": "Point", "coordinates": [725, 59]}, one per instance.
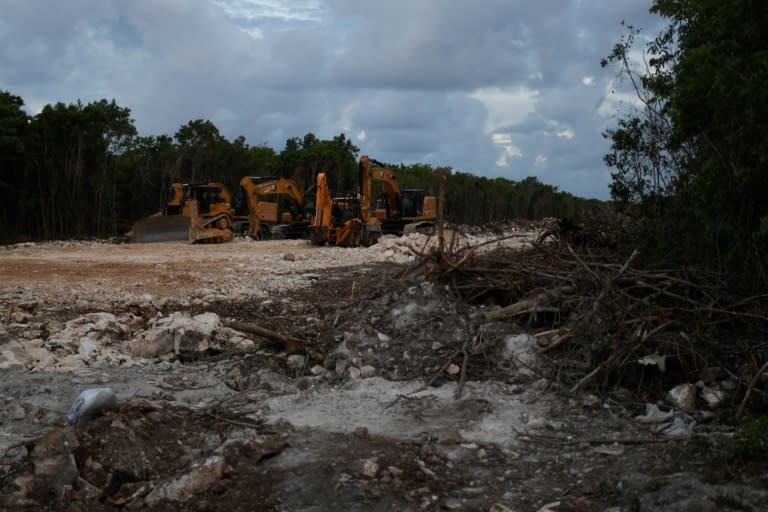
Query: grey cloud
{"type": "Point", "coordinates": [36, 42]}
{"type": "Point", "coordinates": [400, 71]}
{"type": "Point", "coordinates": [432, 44]}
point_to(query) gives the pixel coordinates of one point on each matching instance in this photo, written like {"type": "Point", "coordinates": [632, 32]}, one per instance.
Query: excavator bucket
{"type": "Point", "coordinates": [160, 228]}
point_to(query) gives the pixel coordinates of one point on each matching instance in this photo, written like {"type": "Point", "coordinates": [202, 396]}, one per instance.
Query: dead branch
{"type": "Point", "coordinates": [606, 311]}
{"type": "Point", "coordinates": [524, 306]}
{"type": "Point", "coordinates": [439, 372]}
{"type": "Point", "coordinates": [752, 384]}
{"type": "Point", "coordinates": [292, 345]}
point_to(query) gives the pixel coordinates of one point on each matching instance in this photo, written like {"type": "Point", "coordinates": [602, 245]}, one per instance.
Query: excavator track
{"type": "Point", "coordinates": [423, 227]}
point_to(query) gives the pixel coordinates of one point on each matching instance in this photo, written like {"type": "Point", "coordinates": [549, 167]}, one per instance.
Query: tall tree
{"type": "Point", "coordinates": [263, 161]}
{"type": "Point", "coordinates": [697, 148]}
{"type": "Point", "coordinates": [303, 158]}
{"type": "Point", "coordinates": [150, 165]}
{"type": "Point", "coordinates": [13, 186]}
{"type": "Point", "coordinates": [197, 142]}
{"type": "Point", "coordinates": [71, 152]}
{"type": "Point", "coordinates": [116, 129]}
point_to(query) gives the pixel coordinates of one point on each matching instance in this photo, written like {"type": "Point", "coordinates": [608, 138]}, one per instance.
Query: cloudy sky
{"type": "Point", "coordinates": [509, 88]}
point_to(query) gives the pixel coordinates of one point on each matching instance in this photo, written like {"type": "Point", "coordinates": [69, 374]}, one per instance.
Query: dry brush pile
{"type": "Point", "coordinates": [605, 319]}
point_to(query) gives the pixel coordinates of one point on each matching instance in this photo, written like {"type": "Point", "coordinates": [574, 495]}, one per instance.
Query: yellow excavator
{"type": "Point", "coordinates": [400, 211]}
{"type": "Point", "coordinates": [337, 219]}
{"type": "Point", "coordinates": [275, 208]}
{"type": "Point", "coordinates": [356, 219]}
{"type": "Point", "coordinates": [196, 212]}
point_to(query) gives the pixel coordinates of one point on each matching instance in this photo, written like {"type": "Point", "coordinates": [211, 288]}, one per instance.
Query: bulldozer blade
{"type": "Point", "coordinates": [161, 228]}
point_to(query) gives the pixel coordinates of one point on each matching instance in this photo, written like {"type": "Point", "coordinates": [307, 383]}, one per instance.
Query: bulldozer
{"type": "Point", "coordinates": [211, 216]}
{"type": "Point", "coordinates": [275, 208]}
{"type": "Point", "coordinates": [196, 212]}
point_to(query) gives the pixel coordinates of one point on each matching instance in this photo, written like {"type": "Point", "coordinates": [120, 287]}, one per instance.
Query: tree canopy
{"type": "Point", "coordinates": [690, 162]}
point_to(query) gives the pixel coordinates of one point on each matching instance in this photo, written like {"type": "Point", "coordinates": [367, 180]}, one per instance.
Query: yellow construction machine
{"type": "Point", "coordinates": [176, 194]}
{"type": "Point", "coordinates": [211, 216]}
{"type": "Point", "coordinates": [196, 212]}
{"type": "Point", "coordinates": [337, 219]}
{"type": "Point", "coordinates": [356, 219]}
{"type": "Point", "coordinates": [275, 208]}
{"type": "Point", "coordinates": [399, 211]}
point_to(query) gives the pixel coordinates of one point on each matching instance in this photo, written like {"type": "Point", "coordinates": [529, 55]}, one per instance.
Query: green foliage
{"type": "Point", "coordinates": [690, 162]}
{"type": "Point", "coordinates": [13, 121]}
{"type": "Point", "coordinates": [13, 127]}
{"type": "Point", "coordinates": [70, 176]}
{"type": "Point", "coordinates": [475, 200]}
{"type": "Point", "coordinates": [303, 159]}
{"type": "Point", "coordinates": [751, 443]}
{"type": "Point", "coordinates": [199, 145]}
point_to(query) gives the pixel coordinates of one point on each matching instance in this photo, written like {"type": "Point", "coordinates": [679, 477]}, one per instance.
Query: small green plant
{"type": "Point", "coordinates": [751, 444]}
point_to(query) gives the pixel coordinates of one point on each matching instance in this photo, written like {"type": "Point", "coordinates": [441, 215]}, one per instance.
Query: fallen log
{"type": "Point", "coordinates": [292, 345]}
{"type": "Point", "coordinates": [524, 306]}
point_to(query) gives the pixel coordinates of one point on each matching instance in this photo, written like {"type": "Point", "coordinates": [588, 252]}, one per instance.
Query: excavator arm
{"type": "Point", "coordinates": [334, 230]}
{"type": "Point", "coordinates": [374, 171]}
{"type": "Point", "coordinates": [323, 203]}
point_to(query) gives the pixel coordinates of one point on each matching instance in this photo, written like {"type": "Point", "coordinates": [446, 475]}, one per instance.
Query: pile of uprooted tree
{"type": "Point", "coordinates": [605, 317]}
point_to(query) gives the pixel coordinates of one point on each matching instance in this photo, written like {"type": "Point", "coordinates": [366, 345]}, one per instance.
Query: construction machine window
{"type": "Point", "coordinates": [412, 201]}
{"type": "Point", "coordinates": [206, 197]}
{"type": "Point", "coordinates": [346, 206]}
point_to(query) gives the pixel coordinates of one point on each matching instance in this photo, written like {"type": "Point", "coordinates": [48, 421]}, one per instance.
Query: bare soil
{"type": "Point", "coordinates": [404, 398]}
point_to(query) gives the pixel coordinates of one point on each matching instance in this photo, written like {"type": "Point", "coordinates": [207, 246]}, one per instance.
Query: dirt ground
{"type": "Point", "coordinates": [380, 408]}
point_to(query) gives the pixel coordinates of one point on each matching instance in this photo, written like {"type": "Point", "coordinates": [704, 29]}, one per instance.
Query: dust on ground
{"type": "Point", "coordinates": [384, 409]}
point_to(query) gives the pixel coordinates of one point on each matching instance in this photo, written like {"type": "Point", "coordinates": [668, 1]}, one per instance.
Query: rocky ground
{"type": "Point", "coordinates": [281, 376]}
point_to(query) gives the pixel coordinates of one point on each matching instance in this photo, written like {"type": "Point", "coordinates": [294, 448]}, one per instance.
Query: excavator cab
{"type": "Point", "coordinates": [381, 208]}
{"type": "Point", "coordinates": [412, 201]}
{"type": "Point", "coordinates": [337, 218]}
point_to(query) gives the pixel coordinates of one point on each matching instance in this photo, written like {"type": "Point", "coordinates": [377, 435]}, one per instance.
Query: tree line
{"type": "Point", "coordinates": [82, 170]}
{"type": "Point", "coordinates": [690, 163]}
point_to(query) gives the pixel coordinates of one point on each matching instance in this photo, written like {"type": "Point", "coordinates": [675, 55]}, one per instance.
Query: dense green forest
{"type": "Point", "coordinates": [690, 173]}
{"type": "Point", "coordinates": [83, 170]}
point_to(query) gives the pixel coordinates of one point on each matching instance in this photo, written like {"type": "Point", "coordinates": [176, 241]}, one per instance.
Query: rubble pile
{"type": "Point", "coordinates": [105, 339]}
